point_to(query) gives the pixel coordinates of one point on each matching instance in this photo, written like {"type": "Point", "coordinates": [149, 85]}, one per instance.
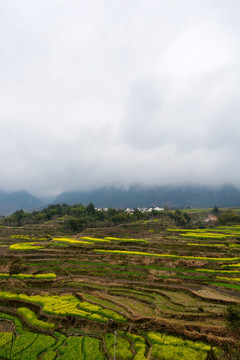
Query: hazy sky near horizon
{"type": "Point", "coordinates": [118, 92]}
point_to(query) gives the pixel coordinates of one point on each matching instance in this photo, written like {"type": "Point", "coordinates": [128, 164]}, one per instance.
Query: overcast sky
{"type": "Point", "coordinates": [118, 92]}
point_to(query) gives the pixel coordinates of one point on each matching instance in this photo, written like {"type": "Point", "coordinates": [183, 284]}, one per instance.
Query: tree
{"type": "Point", "coordinates": [90, 209]}
{"type": "Point", "coordinates": [18, 217]}
{"type": "Point", "coordinates": [180, 218]}
{"type": "Point", "coordinates": [233, 318]}
{"type": "Point", "coordinates": [215, 210]}
{"type": "Point", "coordinates": [229, 217]}
{"type": "Point", "coordinates": [75, 224]}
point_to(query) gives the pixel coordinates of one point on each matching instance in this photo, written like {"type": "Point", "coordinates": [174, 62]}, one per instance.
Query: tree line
{"type": "Point", "coordinates": [77, 217]}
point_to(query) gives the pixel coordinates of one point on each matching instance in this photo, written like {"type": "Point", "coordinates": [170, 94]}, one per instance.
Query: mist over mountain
{"type": "Point", "coordinates": [11, 202]}
{"type": "Point", "coordinates": [163, 196]}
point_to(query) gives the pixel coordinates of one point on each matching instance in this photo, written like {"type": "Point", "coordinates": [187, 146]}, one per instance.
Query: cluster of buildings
{"type": "Point", "coordinates": [144, 209]}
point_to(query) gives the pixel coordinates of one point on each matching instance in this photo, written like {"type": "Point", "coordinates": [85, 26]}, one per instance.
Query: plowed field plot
{"type": "Point", "coordinates": [104, 297]}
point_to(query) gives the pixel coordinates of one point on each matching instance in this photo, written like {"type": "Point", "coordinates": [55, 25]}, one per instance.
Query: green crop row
{"type": "Point", "coordinates": [197, 244]}
{"type": "Point", "coordinates": [72, 349]}
{"type": "Point", "coordinates": [4, 276]}
{"type": "Point", "coordinates": [26, 246]}
{"type": "Point", "coordinates": [91, 349]}
{"type": "Point", "coordinates": [27, 346]}
{"type": "Point", "coordinates": [58, 244]}
{"type": "Point", "coordinates": [56, 305]}
{"type": "Point", "coordinates": [123, 267]}
{"type": "Point", "coordinates": [45, 276]}
{"type": "Point", "coordinates": [30, 346]}
{"type": "Point", "coordinates": [139, 345]}
{"type": "Point", "coordinates": [26, 237]}
{"type": "Point", "coordinates": [126, 252]}
{"type": "Point", "coordinates": [220, 232]}
{"type": "Point", "coordinates": [88, 238]}
{"type": "Point", "coordinates": [231, 245]}
{"type": "Point", "coordinates": [23, 237]}
{"type": "Point", "coordinates": [186, 230]}
{"type": "Point", "coordinates": [205, 236]}
{"type": "Point", "coordinates": [78, 348]}
{"type": "Point", "coordinates": [234, 245]}
{"type": "Point", "coordinates": [72, 241]}
{"type": "Point", "coordinates": [128, 240]}
{"type": "Point", "coordinates": [67, 305]}
{"type": "Point", "coordinates": [228, 228]}
{"type": "Point", "coordinates": [109, 238]}
{"type": "Point", "coordinates": [49, 355]}
{"type": "Point", "coordinates": [15, 321]}
{"type": "Point", "coordinates": [171, 352]}
{"type": "Point", "coordinates": [49, 276]}
{"type": "Point", "coordinates": [227, 278]}
{"type": "Point", "coordinates": [99, 301]}
{"type": "Point", "coordinates": [163, 339]}
{"type": "Point", "coordinates": [5, 338]}
{"type": "Point", "coordinates": [217, 271]}
{"type": "Point", "coordinates": [123, 351]}
{"type": "Point", "coordinates": [231, 265]}
{"type": "Point", "coordinates": [31, 318]}
{"type": "Point", "coordinates": [93, 308]}
{"type": "Point", "coordinates": [229, 286]}
{"type": "Point", "coordinates": [166, 347]}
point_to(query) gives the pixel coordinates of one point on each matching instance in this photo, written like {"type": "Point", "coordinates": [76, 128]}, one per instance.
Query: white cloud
{"type": "Point", "coordinates": [96, 93]}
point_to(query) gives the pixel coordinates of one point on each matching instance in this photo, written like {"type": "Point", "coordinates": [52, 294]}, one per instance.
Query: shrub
{"type": "Point", "coordinates": [233, 318]}
{"type": "Point", "coordinates": [229, 218]}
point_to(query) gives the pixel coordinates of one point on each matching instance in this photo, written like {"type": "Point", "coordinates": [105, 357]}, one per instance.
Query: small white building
{"type": "Point", "coordinates": [211, 217]}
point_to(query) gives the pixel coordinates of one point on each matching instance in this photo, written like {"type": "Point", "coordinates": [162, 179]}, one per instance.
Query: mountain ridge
{"type": "Point", "coordinates": [18, 200]}
{"type": "Point", "coordinates": [163, 196]}
{"type": "Point", "coordinates": [134, 197]}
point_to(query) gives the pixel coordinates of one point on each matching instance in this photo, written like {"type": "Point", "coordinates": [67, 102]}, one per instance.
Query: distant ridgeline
{"type": "Point", "coordinates": [163, 196]}
{"type": "Point", "coordinates": [11, 202]}
{"type": "Point", "coordinates": [134, 197]}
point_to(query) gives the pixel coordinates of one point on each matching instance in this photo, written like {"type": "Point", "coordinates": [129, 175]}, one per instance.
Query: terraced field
{"type": "Point", "coordinates": [163, 295]}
